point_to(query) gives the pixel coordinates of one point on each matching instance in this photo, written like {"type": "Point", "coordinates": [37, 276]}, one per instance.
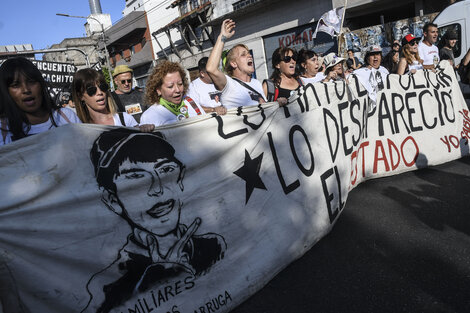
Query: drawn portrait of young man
{"type": "Point", "coordinates": [142, 182]}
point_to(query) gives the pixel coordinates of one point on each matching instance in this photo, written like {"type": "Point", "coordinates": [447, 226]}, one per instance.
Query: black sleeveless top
{"type": "Point", "coordinates": [285, 92]}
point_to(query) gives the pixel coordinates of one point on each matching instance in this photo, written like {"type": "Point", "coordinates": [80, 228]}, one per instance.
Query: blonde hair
{"type": "Point", "coordinates": [230, 57]}
{"type": "Point", "coordinates": [409, 55]}
{"type": "Point", "coordinates": [155, 80]}
{"type": "Point", "coordinates": [83, 79]}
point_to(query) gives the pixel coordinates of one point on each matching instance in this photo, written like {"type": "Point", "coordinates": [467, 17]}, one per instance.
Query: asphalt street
{"type": "Point", "coordinates": [402, 244]}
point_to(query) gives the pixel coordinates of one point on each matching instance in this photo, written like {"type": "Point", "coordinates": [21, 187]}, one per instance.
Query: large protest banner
{"type": "Point", "coordinates": [200, 215]}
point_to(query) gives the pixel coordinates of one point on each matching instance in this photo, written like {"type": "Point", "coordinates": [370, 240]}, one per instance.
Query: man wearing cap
{"type": "Point", "coordinates": [426, 48]}
{"type": "Point", "coordinates": [372, 76]}
{"type": "Point", "coordinates": [447, 52]}
{"type": "Point", "coordinates": [127, 99]}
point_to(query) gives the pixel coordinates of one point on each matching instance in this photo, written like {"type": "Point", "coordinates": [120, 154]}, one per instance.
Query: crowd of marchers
{"type": "Point", "coordinates": [26, 107]}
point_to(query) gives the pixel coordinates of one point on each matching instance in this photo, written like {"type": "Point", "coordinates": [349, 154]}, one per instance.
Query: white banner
{"type": "Point", "coordinates": [202, 214]}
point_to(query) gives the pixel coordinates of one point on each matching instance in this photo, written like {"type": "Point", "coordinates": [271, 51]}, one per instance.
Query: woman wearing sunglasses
{"type": "Point", "coordinates": [410, 61]}
{"type": "Point", "coordinates": [94, 103]}
{"type": "Point", "coordinates": [284, 80]}
{"type": "Point", "coordinates": [26, 107]}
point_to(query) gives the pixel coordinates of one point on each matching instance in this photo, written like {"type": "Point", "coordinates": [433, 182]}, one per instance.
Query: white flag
{"type": "Point", "coordinates": [330, 22]}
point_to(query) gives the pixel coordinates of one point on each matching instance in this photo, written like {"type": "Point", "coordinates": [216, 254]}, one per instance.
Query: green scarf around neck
{"type": "Point", "coordinates": [174, 108]}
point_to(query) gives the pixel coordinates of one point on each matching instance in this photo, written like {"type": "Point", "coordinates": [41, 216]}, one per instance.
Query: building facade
{"type": "Point", "coordinates": [128, 42]}
{"type": "Point", "coordinates": [87, 47]}
{"type": "Point", "coordinates": [185, 30]}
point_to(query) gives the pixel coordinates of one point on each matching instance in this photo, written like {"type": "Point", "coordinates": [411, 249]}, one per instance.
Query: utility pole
{"type": "Point", "coordinates": [108, 65]}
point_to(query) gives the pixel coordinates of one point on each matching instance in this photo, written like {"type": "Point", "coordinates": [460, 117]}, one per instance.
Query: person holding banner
{"type": "Point", "coordinates": [203, 91]}
{"type": "Point", "coordinates": [410, 61]}
{"type": "Point", "coordinates": [309, 67]}
{"type": "Point", "coordinates": [95, 103]}
{"type": "Point", "coordinates": [166, 89]}
{"type": "Point", "coordinates": [26, 107]}
{"type": "Point", "coordinates": [284, 80]}
{"type": "Point", "coordinates": [238, 87]}
{"type": "Point", "coordinates": [372, 76]}
{"type": "Point", "coordinates": [334, 67]}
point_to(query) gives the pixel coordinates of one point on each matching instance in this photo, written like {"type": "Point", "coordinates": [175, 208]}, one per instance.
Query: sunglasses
{"type": "Point", "coordinates": [124, 81]}
{"type": "Point", "coordinates": [91, 91]}
{"type": "Point", "coordinates": [413, 42]}
{"type": "Point", "coordinates": [396, 44]}
{"type": "Point", "coordinates": [287, 58]}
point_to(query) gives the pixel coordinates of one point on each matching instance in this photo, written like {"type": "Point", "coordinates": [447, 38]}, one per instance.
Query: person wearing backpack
{"type": "Point", "coordinates": [284, 80]}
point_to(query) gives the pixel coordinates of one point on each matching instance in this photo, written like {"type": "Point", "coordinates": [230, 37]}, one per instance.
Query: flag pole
{"type": "Point", "coordinates": [341, 28]}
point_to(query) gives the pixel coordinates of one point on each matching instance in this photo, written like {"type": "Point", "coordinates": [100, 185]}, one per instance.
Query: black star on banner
{"type": "Point", "coordinates": [249, 172]}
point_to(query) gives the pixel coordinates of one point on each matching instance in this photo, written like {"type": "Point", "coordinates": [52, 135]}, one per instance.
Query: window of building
{"type": "Point", "coordinates": [132, 50]}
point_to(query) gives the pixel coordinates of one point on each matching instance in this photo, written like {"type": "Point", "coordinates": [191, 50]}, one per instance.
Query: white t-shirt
{"type": "Point", "coordinates": [372, 79]}
{"type": "Point", "coordinates": [428, 54]}
{"type": "Point", "coordinates": [128, 120]}
{"type": "Point", "coordinates": [312, 80]}
{"type": "Point", "coordinates": [415, 66]}
{"type": "Point", "coordinates": [39, 128]}
{"type": "Point", "coordinates": [159, 115]}
{"type": "Point", "coordinates": [235, 94]}
{"type": "Point", "coordinates": [204, 94]}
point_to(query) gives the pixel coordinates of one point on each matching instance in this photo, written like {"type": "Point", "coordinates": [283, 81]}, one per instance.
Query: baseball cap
{"type": "Point", "coordinates": [407, 39]}
{"type": "Point", "coordinates": [121, 69]}
{"type": "Point", "coordinates": [373, 49]}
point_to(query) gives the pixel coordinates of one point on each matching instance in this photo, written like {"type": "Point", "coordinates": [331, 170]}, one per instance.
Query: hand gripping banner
{"type": "Point", "coordinates": [198, 216]}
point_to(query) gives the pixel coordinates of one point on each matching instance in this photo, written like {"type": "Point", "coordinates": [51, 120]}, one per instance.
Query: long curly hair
{"type": "Point", "coordinates": [409, 55]}
{"type": "Point", "coordinates": [277, 57]}
{"type": "Point", "coordinates": [156, 80]}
